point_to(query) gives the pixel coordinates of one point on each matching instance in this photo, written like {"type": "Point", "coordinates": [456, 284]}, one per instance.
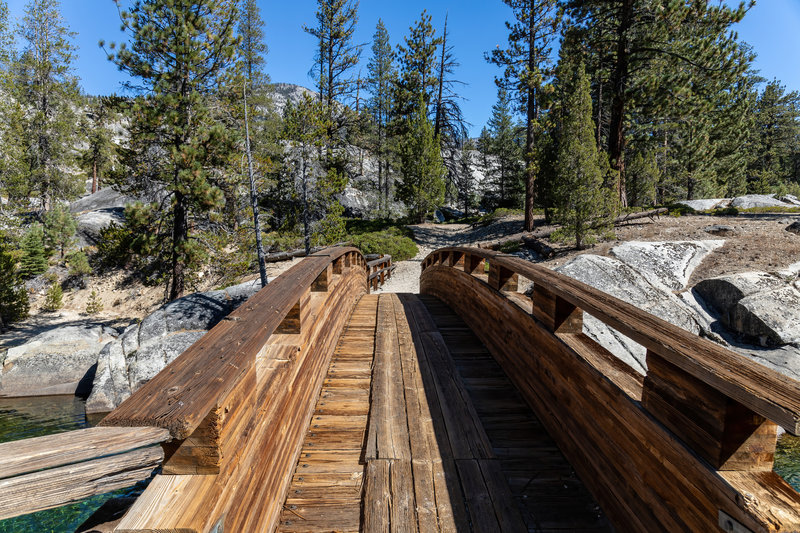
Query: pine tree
{"type": "Point", "coordinates": [34, 259]}
{"type": "Point", "coordinates": [13, 296]}
{"type": "Point", "coordinates": [448, 123]}
{"type": "Point", "coordinates": [336, 54]}
{"type": "Point", "coordinates": [422, 186]}
{"type": "Point", "coordinates": [54, 299]}
{"type": "Point", "coordinates": [59, 228]}
{"type": "Point", "coordinates": [505, 147]}
{"type": "Point", "coordinates": [417, 78]}
{"type": "Point", "coordinates": [45, 84]}
{"type": "Point", "coordinates": [578, 193]}
{"type": "Point", "coordinates": [381, 78]}
{"type": "Point", "coordinates": [657, 46]}
{"type": "Point", "coordinates": [775, 145]}
{"type": "Point", "coordinates": [101, 153]}
{"type": "Point", "coordinates": [526, 67]}
{"type": "Point", "coordinates": [305, 125]}
{"type": "Point", "coordinates": [182, 53]}
{"type": "Point", "coordinates": [94, 305]}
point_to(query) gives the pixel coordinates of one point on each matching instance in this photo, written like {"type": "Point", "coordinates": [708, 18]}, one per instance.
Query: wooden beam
{"type": "Point", "coordinates": [54, 487]}
{"type": "Point", "coordinates": [557, 314]}
{"type": "Point", "coordinates": [502, 279]}
{"type": "Point", "coordinates": [721, 430]}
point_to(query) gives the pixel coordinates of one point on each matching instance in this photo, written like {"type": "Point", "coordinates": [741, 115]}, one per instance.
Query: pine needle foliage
{"type": "Point", "coordinates": [34, 258]}
{"type": "Point", "coordinates": [580, 199]}
{"type": "Point", "coordinates": [422, 185]}
{"type": "Point", "coordinates": [181, 54]}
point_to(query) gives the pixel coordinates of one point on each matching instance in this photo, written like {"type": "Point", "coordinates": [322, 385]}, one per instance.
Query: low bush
{"type": "Point", "coordinates": [54, 298]}
{"type": "Point", "coordinates": [78, 264]}
{"type": "Point", "coordinates": [679, 210]}
{"type": "Point", "coordinates": [726, 212]}
{"type": "Point", "coordinates": [114, 246]}
{"type": "Point", "coordinates": [391, 241]}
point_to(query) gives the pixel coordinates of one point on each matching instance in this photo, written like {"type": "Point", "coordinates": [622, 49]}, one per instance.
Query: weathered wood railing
{"type": "Point", "coordinates": [239, 401]}
{"type": "Point", "coordinates": [380, 269]}
{"type": "Point", "coordinates": [688, 447]}
{"type": "Point", "coordinates": [46, 472]}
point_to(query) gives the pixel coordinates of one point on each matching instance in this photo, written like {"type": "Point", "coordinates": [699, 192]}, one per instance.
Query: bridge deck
{"type": "Point", "coordinates": [417, 428]}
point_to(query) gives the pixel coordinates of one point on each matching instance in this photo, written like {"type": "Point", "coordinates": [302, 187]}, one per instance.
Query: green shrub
{"type": "Point", "coordinates": [390, 241]}
{"type": "Point", "coordinates": [13, 296]}
{"type": "Point", "coordinates": [93, 305]}
{"type": "Point", "coordinates": [114, 246]}
{"type": "Point", "coordinates": [726, 212]}
{"type": "Point", "coordinates": [34, 259]}
{"type": "Point", "coordinates": [510, 247]}
{"type": "Point", "coordinates": [679, 210]}
{"type": "Point", "coordinates": [78, 264]}
{"type": "Point", "coordinates": [54, 298]}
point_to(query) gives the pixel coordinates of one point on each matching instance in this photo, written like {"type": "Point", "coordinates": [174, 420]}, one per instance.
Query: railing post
{"type": "Point", "coordinates": [719, 429]}
{"type": "Point", "coordinates": [502, 279]}
{"type": "Point", "coordinates": [557, 314]}
{"type": "Point", "coordinates": [292, 324]}
{"type": "Point", "coordinates": [473, 263]}
{"type": "Point", "coordinates": [323, 281]}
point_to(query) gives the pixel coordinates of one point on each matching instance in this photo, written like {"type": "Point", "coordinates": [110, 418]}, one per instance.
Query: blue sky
{"type": "Point", "coordinates": [476, 26]}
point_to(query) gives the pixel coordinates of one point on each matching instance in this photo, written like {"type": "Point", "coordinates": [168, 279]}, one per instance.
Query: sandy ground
{"type": "Point", "coordinates": [757, 243]}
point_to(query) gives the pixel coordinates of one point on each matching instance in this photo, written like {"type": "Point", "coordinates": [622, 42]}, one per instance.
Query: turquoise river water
{"type": "Point", "coordinates": [22, 418]}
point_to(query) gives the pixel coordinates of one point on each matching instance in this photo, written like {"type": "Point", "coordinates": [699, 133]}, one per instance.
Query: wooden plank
{"type": "Point", "coordinates": [722, 431]}
{"type": "Point", "coordinates": [377, 493]}
{"type": "Point", "coordinates": [388, 430]}
{"type": "Point", "coordinates": [179, 503]}
{"type": "Point", "coordinates": [764, 391]}
{"type": "Point", "coordinates": [59, 486]}
{"type": "Point", "coordinates": [479, 503]}
{"type": "Point", "coordinates": [248, 493]}
{"type": "Point", "coordinates": [40, 453]}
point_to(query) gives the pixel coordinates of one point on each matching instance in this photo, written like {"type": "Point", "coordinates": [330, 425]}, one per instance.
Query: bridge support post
{"type": "Point", "coordinates": [557, 314]}
{"type": "Point", "coordinates": [721, 430]}
{"type": "Point", "coordinates": [473, 263]}
{"type": "Point", "coordinates": [502, 279]}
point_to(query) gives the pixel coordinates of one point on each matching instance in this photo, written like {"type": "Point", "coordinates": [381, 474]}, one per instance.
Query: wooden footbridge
{"type": "Point", "coordinates": [317, 407]}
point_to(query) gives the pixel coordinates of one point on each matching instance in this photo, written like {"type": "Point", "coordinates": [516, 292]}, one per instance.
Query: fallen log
{"type": "Point", "coordinates": [546, 231]}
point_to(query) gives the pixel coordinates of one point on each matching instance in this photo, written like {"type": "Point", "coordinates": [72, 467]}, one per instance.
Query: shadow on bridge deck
{"type": "Point", "coordinates": [417, 428]}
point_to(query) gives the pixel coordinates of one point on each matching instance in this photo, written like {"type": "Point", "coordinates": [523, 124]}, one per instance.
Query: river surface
{"type": "Point", "coordinates": [22, 418]}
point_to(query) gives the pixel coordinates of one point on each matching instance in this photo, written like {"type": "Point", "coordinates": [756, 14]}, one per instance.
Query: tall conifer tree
{"type": "Point", "coordinates": [381, 78]}
{"type": "Point", "coordinates": [579, 195]}
{"type": "Point", "coordinates": [47, 88]}
{"type": "Point", "coordinates": [181, 52]}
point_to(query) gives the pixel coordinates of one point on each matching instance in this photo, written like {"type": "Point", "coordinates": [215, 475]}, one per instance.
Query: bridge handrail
{"type": "Point", "coordinates": [380, 270]}
{"type": "Point", "coordinates": [180, 396]}
{"type": "Point", "coordinates": [765, 391]}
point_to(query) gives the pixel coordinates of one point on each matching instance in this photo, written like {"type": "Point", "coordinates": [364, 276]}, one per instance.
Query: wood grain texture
{"type": "Point", "coordinates": [59, 486]}
{"type": "Point", "coordinates": [180, 397]}
{"type": "Point", "coordinates": [645, 478]}
{"type": "Point", "coordinates": [41, 453]}
{"type": "Point", "coordinates": [764, 391]}
{"type": "Point", "coordinates": [264, 443]}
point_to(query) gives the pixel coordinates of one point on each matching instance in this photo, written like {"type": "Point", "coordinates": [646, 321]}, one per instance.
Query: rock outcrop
{"type": "Point", "coordinates": [756, 314]}
{"type": "Point", "coordinates": [145, 349]}
{"type": "Point", "coordinates": [642, 289]}
{"type": "Point", "coordinates": [762, 308]}
{"type": "Point", "coordinates": [58, 361]}
{"type": "Point", "coordinates": [96, 211]}
{"type": "Point", "coordinates": [743, 202]}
